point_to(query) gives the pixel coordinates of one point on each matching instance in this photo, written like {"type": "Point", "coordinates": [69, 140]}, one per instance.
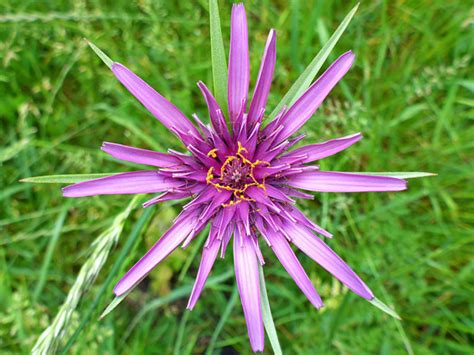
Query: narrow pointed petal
{"type": "Point", "coordinates": [322, 150]}
{"type": "Point", "coordinates": [223, 219]}
{"type": "Point", "coordinates": [209, 255]}
{"type": "Point", "coordinates": [161, 108]}
{"type": "Point", "coordinates": [330, 181]}
{"type": "Point", "coordinates": [162, 248]}
{"type": "Point", "coordinates": [300, 217]}
{"type": "Point", "coordinates": [167, 196]}
{"type": "Point", "coordinates": [140, 156]}
{"type": "Point", "coordinates": [135, 182]}
{"type": "Point", "coordinates": [246, 273]}
{"type": "Point", "coordinates": [290, 262]}
{"type": "Point", "coordinates": [239, 67]}
{"type": "Point", "coordinates": [217, 120]}
{"type": "Point", "coordinates": [276, 193]}
{"type": "Point", "coordinates": [261, 196]}
{"type": "Point", "coordinates": [317, 250]}
{"type": "Point", "coordinates": [264, 80]}
{"type": "Point", "coordinates": [309, 102]}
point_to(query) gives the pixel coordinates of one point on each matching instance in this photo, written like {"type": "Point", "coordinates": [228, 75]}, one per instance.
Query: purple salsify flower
{"type": "Point", "coordinates": [242, 181]}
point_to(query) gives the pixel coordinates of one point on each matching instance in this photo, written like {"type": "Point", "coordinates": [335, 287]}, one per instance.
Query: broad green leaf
{"type": "Point", "coordinates": [109, 62]}
{"type": "Point", "coordinates": [64, 179]}
{"type": "Point", "coordinates": [382, 306]}
{"type": "Point", "coordinates": [219, 63]}
{"type": "Point", "coordinates": [400, 175]}
{"type": "Point", "coordinates": [267, 315]}
{"type": "Point", "coordinates": [305, 79]}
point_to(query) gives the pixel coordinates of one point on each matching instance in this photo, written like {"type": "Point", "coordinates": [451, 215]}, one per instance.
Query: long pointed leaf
{"type": "Point", "coordinates": [305, 79]}
{"type": "Point", "coordinates": [64, 179]}
{"type": "Point", "coordinates": [401, 174]}
{"type": "Point", "coordinates": [109, 62]}
{"type": "Point", "coordinates": [219, 63]}
{"type": "Point", "coordinates": [268, 322]}
{"type": "Point", "coordinates": [382, 306]}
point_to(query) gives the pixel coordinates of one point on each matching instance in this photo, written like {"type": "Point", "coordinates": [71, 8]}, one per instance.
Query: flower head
{"type": "Point", "coordinates": [242, 177]}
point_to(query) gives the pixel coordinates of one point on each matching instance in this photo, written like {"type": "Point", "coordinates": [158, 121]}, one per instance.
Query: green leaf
{"type": "Point", "coordinates": [305, 79]}
{"type": "Point", "coordinates": [109, 62]}
{"type": "Point", "coordinates": [116, 301]}
{"type": "Point", "coordinates": [224, 317]}
{"type": "Point", "coordinates": [219, 64]}
{"type": "Point", "coordinates": [400, 175]}
{"type": "Point", "coordinates": [382, 306]}
{"type": "Point", "coordinates": [267, 315]}
{"type": "Point", "coordinates": [64, 179]}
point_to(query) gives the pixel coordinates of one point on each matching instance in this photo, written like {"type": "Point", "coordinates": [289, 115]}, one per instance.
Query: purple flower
{"type": "Point", "coordinates": [242, 181]}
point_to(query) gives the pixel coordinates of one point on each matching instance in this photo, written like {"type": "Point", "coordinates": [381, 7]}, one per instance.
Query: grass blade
{"type": "Point", "coordinates": [305, 79]}
{"type": "Point", "coordinates": [64, 179]}
{"type": "Point", "coordinates": [225, 316]}
{"type": "Point", "coordinates": [50, 338]}
{"type": "Point", "coordinates": [219, 63]}
{"type": "Point", "coordinates": [181, 330]}
{"type": "Point", "coordinates": [174, 295]}
{"type": "Point", "coordinates": [267, 315]}
{"type": "Point", "coordinates": [50, 250]}
{"type": "Point", "coordinates": [134, 234]}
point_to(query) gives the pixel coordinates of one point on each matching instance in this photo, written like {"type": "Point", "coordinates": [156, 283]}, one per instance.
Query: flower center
{"type": "Point", "coordinates": [236, 175]}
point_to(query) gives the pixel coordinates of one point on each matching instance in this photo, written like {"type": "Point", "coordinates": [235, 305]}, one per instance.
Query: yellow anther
{"type": "Point", "coordinates": [212, 153]}
{"type": "Point", "coordinates": [231, 203]}
{"type": "Point", "coordinates": [227, 161]}
{"type": "Point", "coordinates": [241, 149]}
{"type": "Point", "coordinates": [210, 176]}
{"type": "Point", "coordinates": [239, 194]}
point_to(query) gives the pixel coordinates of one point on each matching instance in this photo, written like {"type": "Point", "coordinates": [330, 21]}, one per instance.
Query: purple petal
{"type": "Point", "coordinates": [278, 194]}
{"type": "Point", "coordinates": [321, 150]}
{"type": "Point", "coordinates": [140, 156]}
{"type": "Point", "coordinates": [167, 196]}
{"type": "Point", "coordinates": [223, 219]}
{"type": "Point", "coordinates": [162, 248]}
{"type": "Point", "coordinates": [209, 255]}
{"type": "Point", "coordinates": [329, 181]}
{"type": "Point", "coordinates": [317, 250]}
{"type": "Point", "coordinates": [264, 80]}
{"type": "Point", "coordinates": [261, 196]}
{"type": "Point", "coordinates": [290, 262]}
{"type": "Point", "coordinates": [247, 275]}
{"type": "Point", "coordinates": [300, 217]}
{"type": "Point", "coordinates": [216, 204]}
{"type": "Point", "coordinates": [161, 108]}
{"type": "Point", "coordinates": [239, 67]}
{"type": "Point", "coordinates": [135, 182]}
{"type": "Point", "coordinates": [217, 119]}
{"type": "Point", "coordinates": [308, 103]}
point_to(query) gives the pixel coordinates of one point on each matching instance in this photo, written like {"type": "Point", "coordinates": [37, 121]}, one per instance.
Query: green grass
{"type": "Point", "coordinates": [410, 93]}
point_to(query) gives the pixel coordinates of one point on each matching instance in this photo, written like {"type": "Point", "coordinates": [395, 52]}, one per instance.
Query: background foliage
{"type": "Point", "coordinates": [409, 93]}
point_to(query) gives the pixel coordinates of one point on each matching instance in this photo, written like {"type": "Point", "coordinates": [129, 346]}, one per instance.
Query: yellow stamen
{"type": "Point", "coordinates": [212, 153]}
{"type": "Point", "coordinates": [241, 148]}
{"type": "Point", "coordinates": [239, 194]}
{"type": "Point", "coordinates": [210, 176]}
{"type": "Point", "coordinates": [231, 203]}
{"type": "Point", "coordinates": [227, 161]}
